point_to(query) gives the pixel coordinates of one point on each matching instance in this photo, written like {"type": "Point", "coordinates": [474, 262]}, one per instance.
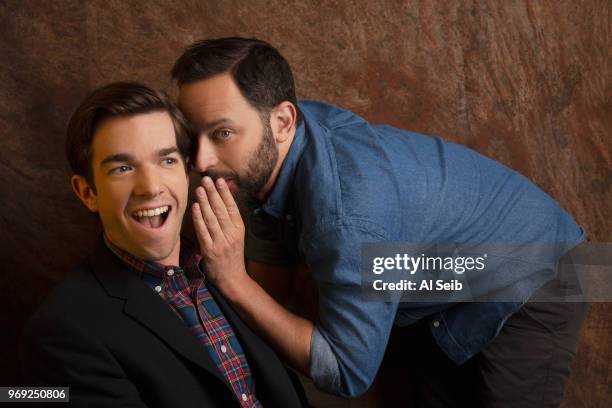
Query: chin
{"type": "Point", "coordinates": [156, 253]}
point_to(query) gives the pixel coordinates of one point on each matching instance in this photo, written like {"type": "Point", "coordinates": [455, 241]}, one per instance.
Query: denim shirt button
{"type": "Point", "coordinates": [436, 323]}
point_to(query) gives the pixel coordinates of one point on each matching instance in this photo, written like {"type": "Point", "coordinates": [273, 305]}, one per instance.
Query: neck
{"type": "Point", "coordinates": [173, 258]}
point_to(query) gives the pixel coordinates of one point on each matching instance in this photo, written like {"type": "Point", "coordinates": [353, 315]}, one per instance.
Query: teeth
{"type": "Point", "coordinates": [152, 212]}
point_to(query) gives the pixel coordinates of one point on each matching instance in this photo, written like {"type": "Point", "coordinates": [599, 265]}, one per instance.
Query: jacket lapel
{"type": "Point", "coordinates": [147, 308]}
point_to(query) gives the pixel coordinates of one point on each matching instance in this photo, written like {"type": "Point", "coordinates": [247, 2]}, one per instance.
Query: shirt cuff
{"type": "Point", "coordinates": [323, 365]}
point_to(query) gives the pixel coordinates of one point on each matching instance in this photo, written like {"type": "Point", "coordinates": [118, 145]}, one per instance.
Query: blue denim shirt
{"type": "Point", "coordinates": [345, 182]}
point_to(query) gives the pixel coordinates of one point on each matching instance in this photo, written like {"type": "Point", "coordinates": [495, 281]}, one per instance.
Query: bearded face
{"type": "Point", "coordinates": [246, 184]}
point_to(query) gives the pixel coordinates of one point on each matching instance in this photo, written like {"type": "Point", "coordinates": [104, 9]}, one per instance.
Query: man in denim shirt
{"type": "Point", "coordinates": [317, 181]}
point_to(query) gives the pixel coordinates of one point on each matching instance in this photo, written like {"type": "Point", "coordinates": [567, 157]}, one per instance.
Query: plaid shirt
{"type": "Point", "coordinates": [184, 289]}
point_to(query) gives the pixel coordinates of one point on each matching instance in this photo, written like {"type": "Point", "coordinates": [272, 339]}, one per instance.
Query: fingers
{"type": "Point", "coordinates": [217, 204]}
{"type": "Point", "coordinates": [230, 204]}
{"type": "Point", "coordinates": [219, 217]}
{"type": "Point", "coordinates": [208, 215]}
{"type": "Point", "coordinates": [200, 227]}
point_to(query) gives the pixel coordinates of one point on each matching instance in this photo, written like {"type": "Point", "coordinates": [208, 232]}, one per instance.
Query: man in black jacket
{"type": "Point", "coordinates": [137, 324]}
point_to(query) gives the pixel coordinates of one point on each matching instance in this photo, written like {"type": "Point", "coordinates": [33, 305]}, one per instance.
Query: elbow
{"type": "Point", "coordinates": [355, 386]}
{"type": "Point", "coordinates": [338, 374]}
{"type": "Point", "coordinates": [344, 383]}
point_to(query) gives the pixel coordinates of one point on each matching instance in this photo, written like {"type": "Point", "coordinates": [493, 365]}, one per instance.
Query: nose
{"type": "Point", "coordinates": [148, 183]}
{"type": "Point", "coordinates": [206, 157]}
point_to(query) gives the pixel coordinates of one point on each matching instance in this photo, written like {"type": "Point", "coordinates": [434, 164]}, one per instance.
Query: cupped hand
{"type": "Point", "coordinates": [220, 232]}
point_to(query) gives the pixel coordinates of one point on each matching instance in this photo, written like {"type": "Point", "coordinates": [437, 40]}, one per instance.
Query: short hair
{"type": "Point", "coordinates": [261, 73]}
{"type": "Point", "coordinates": [119, 99]}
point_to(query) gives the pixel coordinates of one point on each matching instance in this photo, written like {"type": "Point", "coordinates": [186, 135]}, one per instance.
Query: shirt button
{"type": "Point", "coordinates": [244, 397]}
{"type": "Point", "coordinates": [158, 289]}
{"type": "Point", "coordinates": [436, 323]}
{"type": "Point", "coordinates": [224, 349]}
{"type": "Point", "coordinates": [170, 272]}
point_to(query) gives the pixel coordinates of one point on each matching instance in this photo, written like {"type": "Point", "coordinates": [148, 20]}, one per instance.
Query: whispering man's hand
{"type": "Point", "coordinates": [220, 232]}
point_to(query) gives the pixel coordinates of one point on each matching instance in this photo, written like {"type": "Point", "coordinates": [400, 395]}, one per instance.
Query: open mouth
{"type": "Point", "coordinates": [152, 217]}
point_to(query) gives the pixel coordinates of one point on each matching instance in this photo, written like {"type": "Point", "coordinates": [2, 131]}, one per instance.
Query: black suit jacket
{"type": "Point", "coordinates": [116, 343]}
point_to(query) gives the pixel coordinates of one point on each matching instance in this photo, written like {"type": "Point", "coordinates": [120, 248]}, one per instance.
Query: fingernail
{"type": "Point", "coordinates": [200, 191]}
{"type": "Point", "coordinates": [220, 182]}
{"type": "Point", "coordinates": [207, 181]}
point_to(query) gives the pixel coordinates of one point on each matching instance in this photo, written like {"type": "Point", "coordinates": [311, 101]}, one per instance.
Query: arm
{"type": "Point", "coordinates": [276, 280]}
{"type": "Point", "coordinates": [351, 335]}
{"type": "Point", "coordinates": [220, 232]}
{"type": "Point", "coordinates": [343, 350]}
{"type": "Point", "coordinates": [289, 334]}
{"type": "Point", "coordinates": [55, 354]}
{"type": "Point", "coordinates": [290, 285]}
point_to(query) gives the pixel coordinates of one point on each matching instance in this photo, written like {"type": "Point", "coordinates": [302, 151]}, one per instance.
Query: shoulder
{"type": "Point", "coordinates": [76, 302]}
{"type": "Point", "coordinates": [349, 171]}
{"type": "Point", "coordinates": [327, 115]}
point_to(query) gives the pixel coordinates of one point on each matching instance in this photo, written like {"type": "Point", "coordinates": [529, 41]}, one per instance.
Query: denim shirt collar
{"type": "Point", "coordinates": [278, 199]}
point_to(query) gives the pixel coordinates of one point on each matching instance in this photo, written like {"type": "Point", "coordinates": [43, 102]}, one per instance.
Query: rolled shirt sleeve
{"type": "Point", "coordinates": [324, 369]}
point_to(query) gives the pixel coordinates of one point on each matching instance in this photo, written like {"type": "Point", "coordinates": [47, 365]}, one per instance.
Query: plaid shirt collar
{"type": "Point", "coordinates": [188, 258]}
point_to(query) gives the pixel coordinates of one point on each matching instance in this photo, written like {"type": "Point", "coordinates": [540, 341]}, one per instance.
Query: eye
{"type": "Point", "coordinates": [223, 134]}
{"type": "Point", "coordinates": [169, 161]}
{"type": "Point", "coordinates": [120, 169]}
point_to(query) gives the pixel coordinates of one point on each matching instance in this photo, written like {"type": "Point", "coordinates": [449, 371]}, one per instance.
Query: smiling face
{"type": "Point", "coordinates": [235, 142]}
{"type": "Point", "coordinates": [141, 185]}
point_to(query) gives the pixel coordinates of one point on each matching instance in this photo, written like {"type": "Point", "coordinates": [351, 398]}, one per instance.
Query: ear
{"type": "Point", "coordinates": [83, 190]}
{"type": "Point", "coordinates": [188, 165]}
{"type": "Point", "coordinates": [283, 120]}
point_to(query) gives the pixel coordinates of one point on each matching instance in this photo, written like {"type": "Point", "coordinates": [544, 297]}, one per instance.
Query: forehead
{"type": "Point", "coordinates": [137, 135]}
{"type": "Point", "coordinates": [211, 98]}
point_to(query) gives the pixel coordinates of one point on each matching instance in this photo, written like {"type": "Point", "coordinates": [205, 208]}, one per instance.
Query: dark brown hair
{"type": "Point", "coordinates": [261, 73]}
{"type": "Point", "coordinates": [115, 100]}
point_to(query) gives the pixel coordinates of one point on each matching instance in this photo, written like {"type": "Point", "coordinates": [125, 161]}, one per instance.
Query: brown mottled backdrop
{"type": "Point", "coordinates": [524, 82]}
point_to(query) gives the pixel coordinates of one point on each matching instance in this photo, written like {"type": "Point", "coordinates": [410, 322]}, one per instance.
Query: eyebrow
{"type": "Point", "coordinates": [126, 157]}
{"type": "Point", "coordinates": [216, 123]}
{"type": "Point", "coordinates": [120, 157]}
{"type": "Point", "coordinates": [167, 151]}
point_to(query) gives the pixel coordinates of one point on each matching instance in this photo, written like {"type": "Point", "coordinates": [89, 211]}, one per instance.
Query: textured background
{"type": "Point", "coordinates": [524, 82]}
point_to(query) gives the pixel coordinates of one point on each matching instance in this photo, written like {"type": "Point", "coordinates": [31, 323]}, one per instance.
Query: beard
{"type": "Point", "coordinates": [259, 168]}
